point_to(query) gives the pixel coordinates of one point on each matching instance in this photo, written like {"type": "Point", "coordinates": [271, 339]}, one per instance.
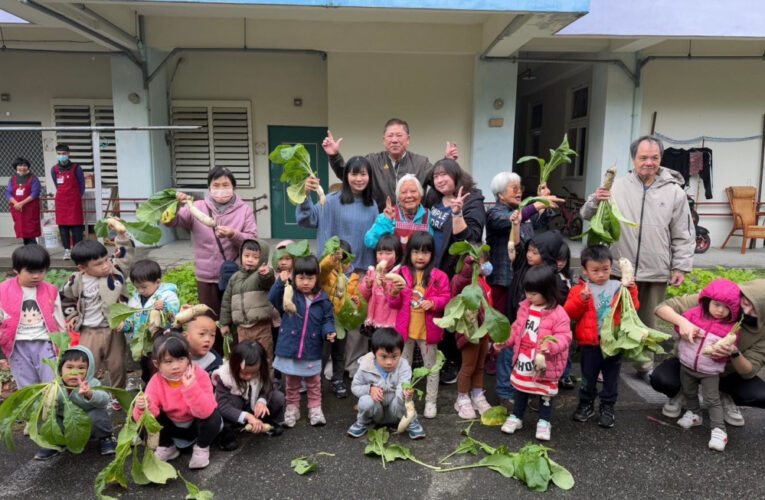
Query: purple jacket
{"type": "Point", "coordinates": [553, 322]}
{"type": "Point", "coordinates": [207, 256]}
{"type": "Point", "coordinates": [691, 355]}
{"type": "Point", "coordinates": [437, 291]}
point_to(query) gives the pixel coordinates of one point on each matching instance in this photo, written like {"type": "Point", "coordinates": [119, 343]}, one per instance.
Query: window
{"type": "Point", "coordinates": [577, 140]}
{"type": "Point", "coordinates": [579, 102]}
{"type": "Point", "coordinates": [536, 116]}
{"type": "Point", "coordinates": [225, 140]}
{"type": "Point", "coordinates": [88, 114]}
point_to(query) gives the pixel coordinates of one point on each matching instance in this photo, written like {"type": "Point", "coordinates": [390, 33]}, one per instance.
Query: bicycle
{"type": "Point", "coordinates": [567, 220]}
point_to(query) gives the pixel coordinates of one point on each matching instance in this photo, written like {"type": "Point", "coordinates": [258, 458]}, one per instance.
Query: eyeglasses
{"type": "Point", "coordinates": [515, 188]}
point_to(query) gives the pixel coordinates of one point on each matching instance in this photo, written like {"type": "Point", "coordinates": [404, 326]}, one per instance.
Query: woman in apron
{"type": "Point", "coordinates": [23, 194]}
{"type": "Point", "coordinates": [404, 218]}
{"type": "Point", "coordinates": [70, 186]}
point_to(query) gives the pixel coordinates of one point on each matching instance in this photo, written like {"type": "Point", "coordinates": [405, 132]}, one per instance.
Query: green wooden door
{"type": "Point", "coordinates": [283, 225]}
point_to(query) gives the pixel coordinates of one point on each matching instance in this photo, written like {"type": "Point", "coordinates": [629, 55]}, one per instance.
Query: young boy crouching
{"type": "Point", "coordinates": [378, 385]}
{"type": "Point", "coordinates": [77, 371]}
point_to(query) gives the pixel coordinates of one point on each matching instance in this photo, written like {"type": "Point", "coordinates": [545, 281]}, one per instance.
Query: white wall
{"type": "Point", "coordinates": [32, 80]}
{"type": "Point", "coordinates": [269, 82]}
{"type": "Point", "coordinates": [713, 98]}
{"type": "Point", "coordinates": [433, 93]}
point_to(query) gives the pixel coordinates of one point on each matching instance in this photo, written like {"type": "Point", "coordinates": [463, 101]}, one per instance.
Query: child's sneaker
{"type": "Point", "coordinates": [607, 415]}
{"type": "Point", "coordinates": [543, 430]}
{"type": "Point", "coordinates": [689, 420]}
{"type": "Point", "coordinates": [566, 383]}
{"type": "Point", "coordinates": [480, 403]}
{"type": "Point", "coordinates": [430, 410]}
{"type": "Point", "coordinates": [357, 430]}
{"type": "Point", "coordinates": [67, 254]}
{"type": "Point", "coordinates": [585, 410]}
{"type": "Point", "coordinates": [200, 458]}
{"type": "Point", "coordinates": [674, 407]}
{"type": "Point", "coordinates": [464, 407]}
{"type": "Point", "coordinates": [291, 415]}
{"type": "Point", "coordinates": [718, 440]}
{"type": "Point", "coordinates": [167, 453]}
{"type": "Point", "coordinates": [108, 445]}
{"type": "Point", "coordinates": [415, 429]}
{"type": "Point", "coordinates": [511, 425]}
{"type": "Point", "coordinates": [316, 416]}
{"type": "Point", "coordinates": [338, 387]}
{"type": "Point", "coordinates": [46, 454]}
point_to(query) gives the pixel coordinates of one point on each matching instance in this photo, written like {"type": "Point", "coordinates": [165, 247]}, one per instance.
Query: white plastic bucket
{"type": "Point", "coordinates": [50, 236]}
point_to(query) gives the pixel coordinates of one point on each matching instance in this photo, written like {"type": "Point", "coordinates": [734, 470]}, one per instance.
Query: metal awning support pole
{"type": "Point", "coordinates": [97, 174]}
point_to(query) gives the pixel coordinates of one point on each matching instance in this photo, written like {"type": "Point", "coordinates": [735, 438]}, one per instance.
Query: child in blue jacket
{"type": "Point", "coordinates": [301, 336]}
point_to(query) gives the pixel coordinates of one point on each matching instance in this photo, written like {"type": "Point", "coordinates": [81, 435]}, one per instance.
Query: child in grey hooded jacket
{"type": "Point", "coordinates": [378, 385]}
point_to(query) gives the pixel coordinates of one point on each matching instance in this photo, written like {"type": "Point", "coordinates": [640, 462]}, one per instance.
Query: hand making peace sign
{"type": "Point", "coordinates": [390, 210]}
{"type": "Point", "coordinates": [458, 201]}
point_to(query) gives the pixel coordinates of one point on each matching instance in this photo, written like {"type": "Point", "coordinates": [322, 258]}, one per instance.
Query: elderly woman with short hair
{"type": "Point", "coordinates": [405, 217]}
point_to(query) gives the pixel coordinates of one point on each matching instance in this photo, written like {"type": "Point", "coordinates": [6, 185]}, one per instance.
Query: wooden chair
{"type": "Point", "coordinates": [745, 215]}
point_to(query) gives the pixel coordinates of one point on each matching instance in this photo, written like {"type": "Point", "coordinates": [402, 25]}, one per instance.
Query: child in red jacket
{"type": "Point", "coordinates": [588, 305]}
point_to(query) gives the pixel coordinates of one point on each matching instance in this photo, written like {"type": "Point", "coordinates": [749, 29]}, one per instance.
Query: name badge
{"type": "Point", "coordinates": [19, 191]}
{"type": "Point", "coordinates": [60, 179]}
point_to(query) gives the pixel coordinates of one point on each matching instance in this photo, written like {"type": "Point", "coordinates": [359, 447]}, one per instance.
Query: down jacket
{"type": "Point", "coordinates": [437, 291]}
{"type": "Point", "coordinates": [665, 239]}
{"type": "Point", "coordinates": [245, 301]}
{"type": "Point", "coordinates": [691, 355]}
{"type": "Point", "coordinates": [583, 313]}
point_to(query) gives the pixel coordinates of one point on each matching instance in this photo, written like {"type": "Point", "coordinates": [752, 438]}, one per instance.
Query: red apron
{"type": "Point", "coordinates": [27, 222]}
{"type": "Point", "coordinates": [404, 230]}
{"type": "Point", "coordinates": [68, 198]}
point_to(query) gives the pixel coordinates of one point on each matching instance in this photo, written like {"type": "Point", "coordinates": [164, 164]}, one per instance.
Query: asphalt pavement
{"type": "Point", "coordinates": [638, 458]}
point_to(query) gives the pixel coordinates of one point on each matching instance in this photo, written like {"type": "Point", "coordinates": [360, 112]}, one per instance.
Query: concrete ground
{"type": "Point", "coordinates": [636, 459]}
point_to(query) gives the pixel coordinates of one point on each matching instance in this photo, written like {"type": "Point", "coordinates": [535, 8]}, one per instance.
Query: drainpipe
{"type": "Point", "coordinates": [84, 29]}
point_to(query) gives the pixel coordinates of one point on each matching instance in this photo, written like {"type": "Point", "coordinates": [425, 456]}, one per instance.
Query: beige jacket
{"type": "Point", "coordinates": [665, 239]}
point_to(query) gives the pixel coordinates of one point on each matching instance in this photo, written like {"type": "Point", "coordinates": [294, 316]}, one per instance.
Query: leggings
{"type": "Point", "coordinates": [204, 430]}
{"type": "Point", "coordinates": [70, 232]}
{"type": "Point", "coordinates": [473, 359]}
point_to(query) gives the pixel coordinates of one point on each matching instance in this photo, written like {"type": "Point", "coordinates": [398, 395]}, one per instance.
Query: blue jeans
{"type": "Point", "coordinates": [504, 368]}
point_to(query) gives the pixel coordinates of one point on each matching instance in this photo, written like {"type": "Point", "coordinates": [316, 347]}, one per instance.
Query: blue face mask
{"type": "Point", "coordinates": [486, 268]}
{"type": "Point", "coordinates": [63, 158]}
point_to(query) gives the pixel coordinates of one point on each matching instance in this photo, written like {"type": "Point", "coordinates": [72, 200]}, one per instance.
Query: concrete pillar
{"type": "Point", "coordinates": [143, 157]}
{"type": "Point", "coordinates": [614, 104]}
{"type": "Point", "coordinates": [493, 146]}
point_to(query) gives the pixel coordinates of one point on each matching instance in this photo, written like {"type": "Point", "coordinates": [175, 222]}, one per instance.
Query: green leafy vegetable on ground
{"type": "Point", "coordinates": [378, 439]}
{"type": "Point", "coordinates": [297, 168]}
{"type": "Point", "coordinates": [696, 280]}
{"type": "Point", "coordinates": [58, 277]}
{"type": "Point", "coordinates": [461, 313]}
{"type": "Point", "coordinates": [558, 157]}
{"type": "Point", "coordinates": [149, 470]}
{"type": "Point", "coordinates": [184, 278]}
{"type": "Point", "coordinates": [494, 416]}
{"type": "Point", "coordinates": [308, 463]}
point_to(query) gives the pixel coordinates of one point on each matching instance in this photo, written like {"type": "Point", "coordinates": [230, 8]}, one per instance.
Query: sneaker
{"type": "Point", "coordinates": [430, 410]}
{"type": "Point", "coordinates": [46, 454]}
{"type": "Point", "coordinates": [303, 388]}
{"type": "Point", "coordinates": [718, 440]}
{"type": "Point", "coordinates": [689, 420]}
{"type": "Point", "coordinates": [607, 415]}
{"type": "Point", "coordinates": [511, 425]}
{"type": "Point", "coordinates": [585, 410]}
{"type": "Point", "coordinates": [338, 387]}
{"type": "Point", "coordinates": [200, 458]}
{"type": "Point", "coordinates": [731, 412]}
{"type": "Point", "coordinates": [357, 430]}
{"type": "Point", "coordinates": [167, 453]}
{"type": "Point", "coordinates": [674, 407]}
{"type": "Point", "coordinates": [67, 254]}
{"type": "Point", "coordinates": [464, 407]}
{"type": "Point", "coordinates": [543, 430]}
{"type": "Point", "coordinates": [108, 445]}
{"type": "Point", "coordinates": [480, 403]}
{"type": "Point", "coordinates": [449, 373]}
{"type": "Point", "coordinates": [566, 383]}
{"type": "Point", "coordinates": [316, 416]}
{"type": "Point", "coordinates": [415, 429]}
{"type": "Point", "coordinates": [291, 415]}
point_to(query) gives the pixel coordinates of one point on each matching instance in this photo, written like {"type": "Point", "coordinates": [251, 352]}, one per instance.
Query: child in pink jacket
{"type": "Point", "coordinates": [538, 360]}
{"type": "Point", "coordinates": [379, 314]}
{"type": "Point", "coordinates": [418, 303]}
{"type": "Point", "coordinates": [181, 397]}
